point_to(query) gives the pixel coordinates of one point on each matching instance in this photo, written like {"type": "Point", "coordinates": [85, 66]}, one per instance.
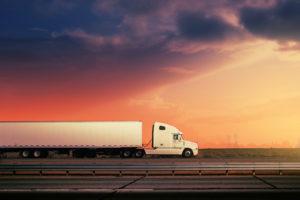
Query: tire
{"type": "Point", "coordinates": [139, 153]}
{"type": "Point", "coordinates": [187, 153]}
{"type": "Point", "coordinates": [25, 154]}
{"type": "Point", "coordinates": [37, 153]}
{"type": "Point", "coordinates": [126, 154]}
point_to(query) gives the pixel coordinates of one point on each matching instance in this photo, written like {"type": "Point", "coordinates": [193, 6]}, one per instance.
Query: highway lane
{"type": "Point", "coordinates": [147, 187]}
{"type": "Point", "coordinates": [59, 183]}
{"type": "Point", "coordinates": [83, 183]}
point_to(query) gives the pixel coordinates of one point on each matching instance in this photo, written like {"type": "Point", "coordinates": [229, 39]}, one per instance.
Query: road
{"type": "Point", "coordinates": [148, 178]}
{"type": "Point", "coordinates": [37, 183]}
{"type": "Point", "coordinates": [108, 187]}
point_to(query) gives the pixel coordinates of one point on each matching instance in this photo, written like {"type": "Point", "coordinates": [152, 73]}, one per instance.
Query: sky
{"type": "Point", "coordinates": [226, 73]}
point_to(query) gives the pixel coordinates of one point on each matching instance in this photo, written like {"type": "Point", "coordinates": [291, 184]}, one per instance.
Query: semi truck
{"type": "Point", "coordinates": [90, 139]}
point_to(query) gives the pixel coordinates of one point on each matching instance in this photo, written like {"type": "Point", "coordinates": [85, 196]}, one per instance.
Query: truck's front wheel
{"type": "Point", "coordinates": [187, 153]}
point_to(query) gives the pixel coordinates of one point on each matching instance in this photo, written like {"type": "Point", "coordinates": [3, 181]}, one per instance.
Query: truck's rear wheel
{"type": "Point", "coordinates": [126, 154]}
{"type": "Point", "coordinates": [139, 153]}
{"type": "Point", "coordinates": [25, 153]}
{"type": "Point", "coordinates": [37, 153]}
{"type": "Point", "coordinates": [187, 153]}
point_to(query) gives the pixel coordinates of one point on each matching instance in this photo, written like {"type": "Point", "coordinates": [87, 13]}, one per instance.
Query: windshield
{"type": "Point", "coordinates": [181, 136]}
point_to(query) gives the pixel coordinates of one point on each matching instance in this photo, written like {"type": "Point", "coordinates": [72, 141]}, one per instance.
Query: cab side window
{"type": "Point", "coordinates": [175, 137]}
{"type": "Point", "coordinates": [162, 128]}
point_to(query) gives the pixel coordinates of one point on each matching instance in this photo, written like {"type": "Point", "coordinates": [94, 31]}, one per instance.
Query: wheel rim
{"type": "Point", "coordinates": [126, 154]}
{"type": "Point", "coordinates": [138, 154]}
{"type": "Point", "coordinates": [36, 154]}
{"type": "Point", "coordinates": [187, 153]}
{"type": "Point", "coordinates": [25, 154]}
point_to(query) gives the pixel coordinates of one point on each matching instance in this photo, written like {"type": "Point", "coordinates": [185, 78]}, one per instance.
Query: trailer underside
{"type": "Point", "coordinates": [83, 152]}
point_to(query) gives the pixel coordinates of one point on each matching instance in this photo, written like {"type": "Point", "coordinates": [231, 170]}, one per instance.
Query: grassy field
{"type": "Point", "coordinates": [250, 153]}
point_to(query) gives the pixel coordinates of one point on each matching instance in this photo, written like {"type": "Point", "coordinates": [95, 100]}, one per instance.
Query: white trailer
{"type": "Point", "coordinates": [89, 139]}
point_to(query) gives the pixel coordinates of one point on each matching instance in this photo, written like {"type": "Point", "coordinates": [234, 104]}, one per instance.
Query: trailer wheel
{"type": "Point", "coordinates": [126, 154]}
{"type": "Point", "coordinates": [25, 153]}
{"type": "Point", "coordinates": [187, 153]}
{"type": "Point", "coordinates": [37, 153]}
{"type": "Point", "coordinates": [139, 153]}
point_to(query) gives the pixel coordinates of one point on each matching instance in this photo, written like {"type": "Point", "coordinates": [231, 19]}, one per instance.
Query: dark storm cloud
{"type": "Point", "coordinates": [122, 37]}
{"type": "Point", "coordinates": [140, 6]}
{"type": "Point", "coordinates": [37, 50]}
{"type": "Point", "coordinates": [74, 32]}
{"type": "Point", "coordinates": [105, 48]}
{"type": "Point", "coordinates": [281, 21]}
{"type": "Point", "coordinates": [196, 26]}
{"type": "Point", "coordinates": [132, 7]}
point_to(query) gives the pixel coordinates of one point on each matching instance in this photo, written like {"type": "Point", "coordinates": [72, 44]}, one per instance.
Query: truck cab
{"type": "Point", "coordinates": [168, 140]}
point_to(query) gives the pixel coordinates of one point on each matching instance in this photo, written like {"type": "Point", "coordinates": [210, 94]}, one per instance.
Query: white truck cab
{"type": "Point", "coordinates": [168, 140]}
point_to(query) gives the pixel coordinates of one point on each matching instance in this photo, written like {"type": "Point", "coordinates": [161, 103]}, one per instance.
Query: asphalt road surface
{"type": "Point", "coordinates": [164, 187]}
{"type": "Point", "coordinates": [151, 186]}
{"type": "Point", "coordinates": [37, 183]}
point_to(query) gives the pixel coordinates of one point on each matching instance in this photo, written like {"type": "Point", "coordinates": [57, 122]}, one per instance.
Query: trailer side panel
{"type": "Point", "coordinates": [71, 134]}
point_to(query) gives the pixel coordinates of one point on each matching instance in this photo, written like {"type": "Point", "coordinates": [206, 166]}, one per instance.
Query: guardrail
{"type": "Point", "coordinates": [151, 169]}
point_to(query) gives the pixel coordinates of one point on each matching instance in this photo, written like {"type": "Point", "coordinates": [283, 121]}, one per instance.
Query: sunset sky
{"type": "Point", "coordinates": [226, 72]}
